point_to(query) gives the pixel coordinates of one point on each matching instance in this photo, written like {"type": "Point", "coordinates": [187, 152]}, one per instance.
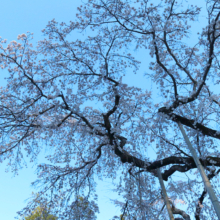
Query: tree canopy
{"type": "Point", "coordinates": [71, 94]}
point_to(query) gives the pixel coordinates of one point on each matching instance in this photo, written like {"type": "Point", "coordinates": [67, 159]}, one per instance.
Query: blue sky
{"type": "Point", "coordinates": [18, 17]}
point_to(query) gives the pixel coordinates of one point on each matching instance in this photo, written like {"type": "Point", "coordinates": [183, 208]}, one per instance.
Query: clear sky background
{"type": "Point", "coordinates": [18, 17]}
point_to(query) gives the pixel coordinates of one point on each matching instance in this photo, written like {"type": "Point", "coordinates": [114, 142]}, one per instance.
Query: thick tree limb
{"type": "Point", "coordinates": [191, 123]}
{"type": "Point", "coordinates": [181, 164]}
{"type": "Point", "coordinates": [179, 212]}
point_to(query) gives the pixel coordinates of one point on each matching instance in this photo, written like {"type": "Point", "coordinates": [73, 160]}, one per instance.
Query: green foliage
{"type": "Point", "coordinates": [40, 214]}
{"type": "Point", "coordinates": [122, 218]}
